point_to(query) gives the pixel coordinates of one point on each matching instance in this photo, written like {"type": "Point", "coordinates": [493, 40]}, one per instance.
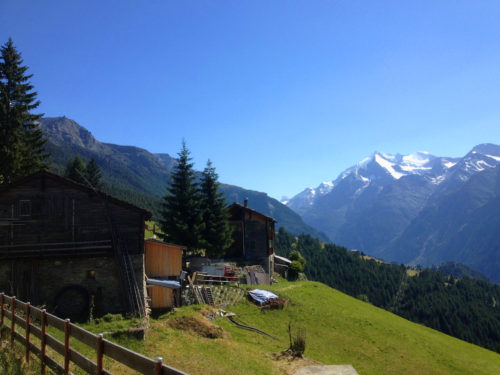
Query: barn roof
{"type": "Point", "coordinates": [152, 239]}
{"type": "Point", "coordinates": [66, 181]}
{"type": "Point", "coordinates": [241, 207]}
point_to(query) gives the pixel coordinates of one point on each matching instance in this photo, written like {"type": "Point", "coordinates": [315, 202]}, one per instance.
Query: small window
{"type": "Point", "coordinates": [25, 208]}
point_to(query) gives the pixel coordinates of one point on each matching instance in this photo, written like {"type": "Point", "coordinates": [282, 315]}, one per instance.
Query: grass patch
{"type": "Point", "coordinates": [12, 361]}
{"type": "Point", "coordinates": [152, 228]}
{"type": "Point", "coordinates": [340, 330]}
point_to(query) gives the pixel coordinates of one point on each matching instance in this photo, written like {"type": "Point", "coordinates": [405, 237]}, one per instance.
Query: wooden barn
{"type": "Point", "coordinates": [253, 236]}
{"type": "Point", "coordinates": [71, 248]}
{"type": "Point", "coordinates": [163, 263]}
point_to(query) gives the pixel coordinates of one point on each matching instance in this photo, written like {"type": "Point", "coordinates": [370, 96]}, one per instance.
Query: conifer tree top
{"type": "Point", "coordinates": [22, 145]}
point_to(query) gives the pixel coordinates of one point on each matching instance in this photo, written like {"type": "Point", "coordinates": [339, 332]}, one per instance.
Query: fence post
{"type": "Point", "coordinates": [44, 339]}
{"type": "Point", "coordinates": [13, 325]}
{"type": "Point", "coordinates": [67, 353]}
{"type": "Point", "coordinates": [99, 354]}
{"type": "Point", "coordinates": [28, 329]}
{"type": "Point", "coordinates": [1, 313]}
{"type": "Point", "coordinates": [158, 364]}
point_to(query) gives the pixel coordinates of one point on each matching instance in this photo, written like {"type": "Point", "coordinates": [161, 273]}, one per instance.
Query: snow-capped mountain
{"type": "Point", "coordinates": [305, 199]}
{"type": "Point", "coordinates": [375, 204]}
{"type": "Point", "coordinates": [380, 168]}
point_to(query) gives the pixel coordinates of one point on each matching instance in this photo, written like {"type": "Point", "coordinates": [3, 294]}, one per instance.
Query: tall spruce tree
{"type": "Point", "coordinates": [85, 174]}
{"type": "Point", "coordinates": [93, 174]}
{"type": "Point", "coordinates": [181, 215]}
{"type": "Point", "coordinates": [217, 234]}
{"type": "Point", "coordinates": [76, 170]}
{"type": "Point", "coordinates": [22, 145]}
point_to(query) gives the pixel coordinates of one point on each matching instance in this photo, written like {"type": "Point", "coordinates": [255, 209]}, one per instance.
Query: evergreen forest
{"type": "Point", "coordinates": [466, 308]}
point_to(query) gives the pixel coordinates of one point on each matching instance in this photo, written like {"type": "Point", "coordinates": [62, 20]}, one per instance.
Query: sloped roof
{"type": "Point", "coordinates": [76, 185]}
{"type": "Point", "coordinates": [239, 206]}
{"type": "Point", "coordinates": [156, 240]}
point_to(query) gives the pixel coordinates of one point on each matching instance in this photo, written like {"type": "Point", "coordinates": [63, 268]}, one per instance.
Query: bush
{"type": "Point", "coordinates": [294, 270]}
{"type": "Point", "coordinates": [295, 255]}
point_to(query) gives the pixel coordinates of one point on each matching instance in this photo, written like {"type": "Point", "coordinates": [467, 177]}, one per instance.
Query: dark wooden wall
{"type": "Point", "coordinates": [55, 235]}
{"type": "Point", "coordinates": [253, 232]}
{"type": "Point", "coordinates": [46, 211]}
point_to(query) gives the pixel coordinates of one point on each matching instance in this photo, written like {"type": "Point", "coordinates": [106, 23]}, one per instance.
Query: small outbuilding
{"type": "Point", "coordinates": [281, 265]}
{"type": "Point", "coordinates": [253, 236]}
{"type": "Point", "coordinates": [163, 269]}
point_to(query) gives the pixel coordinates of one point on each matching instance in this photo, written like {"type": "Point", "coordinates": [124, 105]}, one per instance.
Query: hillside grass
{"type": "Point", "coordinates": [339, 330]}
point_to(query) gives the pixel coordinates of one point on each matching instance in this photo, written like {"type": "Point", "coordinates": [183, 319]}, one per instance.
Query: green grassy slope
{"type": "Point", "coordinates": [340, 330]}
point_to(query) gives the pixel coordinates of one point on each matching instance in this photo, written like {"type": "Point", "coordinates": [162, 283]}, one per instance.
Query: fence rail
{"type": "Point", "coordinates": [35, 321]}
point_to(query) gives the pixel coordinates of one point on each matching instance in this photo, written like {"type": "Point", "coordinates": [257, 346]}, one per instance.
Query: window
{"type": "Point", "coordinates": [25, 207]}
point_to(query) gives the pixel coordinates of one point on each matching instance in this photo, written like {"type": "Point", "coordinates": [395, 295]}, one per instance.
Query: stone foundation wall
{"type": "Point", "coordinates": [69, 285]}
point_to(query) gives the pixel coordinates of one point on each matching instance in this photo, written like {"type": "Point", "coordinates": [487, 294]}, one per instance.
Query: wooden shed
{"type": "Point", "coordinates": [163, 261]}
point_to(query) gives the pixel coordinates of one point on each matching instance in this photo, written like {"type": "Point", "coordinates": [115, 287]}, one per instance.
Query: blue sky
{"type": "Point", "coordinates": [280, 95]}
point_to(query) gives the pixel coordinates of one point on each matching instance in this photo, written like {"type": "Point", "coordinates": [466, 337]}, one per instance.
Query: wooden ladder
{"type": "Point", "coordinates": [134, 297]}
{"type": "Point", "coordinates": [135, 301]}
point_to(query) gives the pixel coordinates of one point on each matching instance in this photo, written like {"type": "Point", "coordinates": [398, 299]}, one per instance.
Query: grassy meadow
{"type": "Point", "coordinates": [339, 330]}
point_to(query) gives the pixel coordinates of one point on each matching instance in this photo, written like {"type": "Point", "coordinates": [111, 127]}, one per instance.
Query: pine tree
{"type": "Point", "coordinates": [22, 146]}
{"type": "Point", "coordinates": [217, 233]}
{"type": "Point", "coordinates": [76, 170]}
{"type": "Point", "coordinates": [93, 174]}
{"type": "Point", "coordinates": [181, 215]}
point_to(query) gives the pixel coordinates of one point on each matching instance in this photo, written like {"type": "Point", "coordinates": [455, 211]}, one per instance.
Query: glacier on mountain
{"type": "Point", "coordinates": [381, 204]}
{"type": "Point", "coordinates": [388, 166]}
{"type": "Point", "coordinates": [383, 168]}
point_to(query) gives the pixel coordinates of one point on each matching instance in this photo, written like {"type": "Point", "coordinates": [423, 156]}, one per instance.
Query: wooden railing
{"type": "Point", "coordinates": [35, 322]}
{"type": "Point", "coordinates": [203, 278]}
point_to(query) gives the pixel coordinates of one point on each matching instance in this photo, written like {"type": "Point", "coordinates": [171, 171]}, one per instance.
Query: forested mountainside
{"type": "Point", "coordinates": [466, 308]}
{"type": "Point", "coordinates": [140, 177]}
{"type": "Point", "coordinates": [414, 209]}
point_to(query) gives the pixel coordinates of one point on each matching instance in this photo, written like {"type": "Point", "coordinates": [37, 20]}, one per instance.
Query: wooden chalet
{"type": "Point", "coordinates": [71, 248]}
{"type": "Point", "coordinates": [253, 235]}
{"type": "Point", "coordinates": [163, 263]}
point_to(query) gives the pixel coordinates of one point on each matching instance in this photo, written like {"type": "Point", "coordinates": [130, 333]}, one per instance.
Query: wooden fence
{"type": "Point", "coordinates": [35, 321]}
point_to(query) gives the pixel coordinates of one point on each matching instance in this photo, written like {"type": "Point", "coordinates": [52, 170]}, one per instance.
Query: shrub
{"type": "Point", "coordinates": [295, 255]}
{"type": "Point", "coordinates": [294, 270]}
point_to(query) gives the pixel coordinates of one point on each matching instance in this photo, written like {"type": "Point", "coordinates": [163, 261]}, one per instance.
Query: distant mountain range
{"type": "Point", "coordinates": [414, 209]}
{"type": "Point", "coordinates": [140, 177]}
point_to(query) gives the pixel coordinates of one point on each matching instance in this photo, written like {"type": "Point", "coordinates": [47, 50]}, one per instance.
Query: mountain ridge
{"type": "Point", "coordinates": [395, 207]}
{"type": "Point", "coordinates": [133, 173]}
